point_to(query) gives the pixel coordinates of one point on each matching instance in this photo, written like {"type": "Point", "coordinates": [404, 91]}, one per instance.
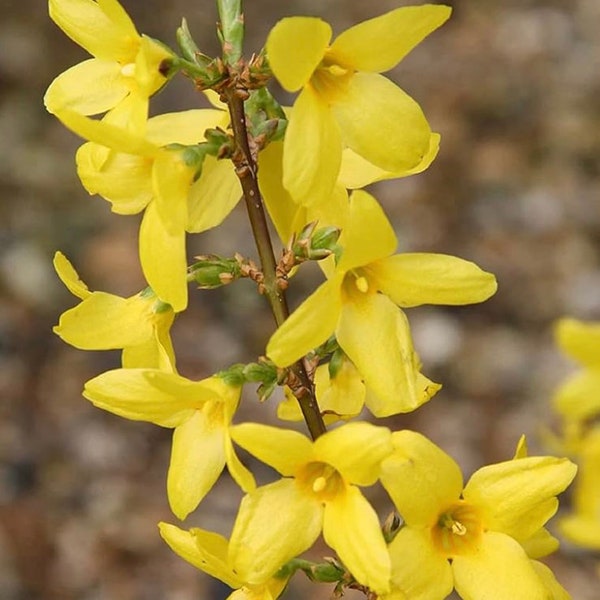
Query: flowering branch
{"type": "Point", "coordinates": [246, 169]}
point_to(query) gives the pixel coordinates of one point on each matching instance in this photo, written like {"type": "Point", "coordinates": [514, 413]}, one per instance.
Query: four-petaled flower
{"type": "Point", "coordinates": [318, 491]}
{"type": "Point", "coordinates": [209, 552]}
{"type": "Point", "coordinates": [360, 301]}
{"type": "Point", "coordinates": [199, 411]}
{"type": "Point", "coordinates": [478, 539]}
{"type": "Point", "coordinates": [125, 68]}
{"type": "Point", "coordinates": [139, 325]}
{"type": "Point", "coordinates": [344, 100]}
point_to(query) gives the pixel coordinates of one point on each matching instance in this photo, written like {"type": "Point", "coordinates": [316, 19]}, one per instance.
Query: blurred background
{"type": "Point", "coordinates": [513, 87]}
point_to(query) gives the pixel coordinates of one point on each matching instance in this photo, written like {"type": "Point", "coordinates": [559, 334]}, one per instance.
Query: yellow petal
{"type": "Point", "coordinates": [312, 150]}
{"type": "Point", "coordinates": [295, 47]}
{"type": "Point", "coordinates": [68, 275]}
{"type": "Point", "coordinates": [381, 43]}
{"type": "Point", "coordinates": [205, 550]}
{"type": "Point", "coordinates": [518, 495]}
{"type": "Point", "coordinates": [581, 530]}
{"type": "Point", "coordinates": [308, 326]}
{"type": "Point", "coordinates": [382, 123]}
{"type": "Point", "coordinates": [540, 544]}
{"type": "Point", "coordinates": [184, 127]}
{"type": "Point", "coordinates": [579, 340]}
{"type": "Point", "coordinates": [148, 62]}
{"type": "Point", "coordinates": [368, 235]}
{"type": "Point", "coordinates": [213, 196]}
{"type": "Point", "coordinates": [420, 478]}
{"type": "Point", "coordinates": [171, 181]}
{"type": "Point", "coordinates": [104, 322]}
{"type": "Point", "coordinates": [90, 87]}
{"type": "Point", "coordinates": [280, 205]}
{"type": "Point", "coordinates": [351, 527]}
{"type": "Point", "coordinates": [374, 333]}
{"type": "Point", "coordinates": [417, 569]}
{"type": "Point", "coordinates": [356, 172]}
{"type": "Point", "coordinates": [102, 28]}
{"type": "Point", "coordinates": [420, 278]}
{"type": "Point", "coordinates": [498, 568]}
{"type": "Point", "coordinates": [344, 395]}
{"type": "Point", "coordinates": [106, 134]}
{"type": "Point", "coordinates": [266, 444]}
{"type": "Point", "coordinates": [577, 397]}
{"type": "Point", "coordinates": [197, 460]}
{"type": "Point", "coordinates": [260, 544]}
{"type": "Point", "coordinates": [125, 180]}
{"type": "Point", "coordinates": [289, 409]}
{"type": "Point", "coordinates": [355, 450]}
{"type": "Point", "coordinates": [163, 259]}
{"type": "Point", "coordinates": [165, 399]}
{"type": "Point", "coordinates": [557, 591]}
{"type": "Point", "coordinates": [240, 474]}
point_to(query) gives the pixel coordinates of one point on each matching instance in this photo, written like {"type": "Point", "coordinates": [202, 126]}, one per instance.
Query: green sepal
{"type": "Point", "coordinates": [335, 363]}
{"type": "Point", "coordinates": [315, 244]}
{"type": "Point", "coordinates": [326, 572]}
{"type": "Point", "coordinates": [265, 117]}
{"type": "Point", "coordinates": [188, 47]}
{"type": "Point", "coordinates": [231, 30]}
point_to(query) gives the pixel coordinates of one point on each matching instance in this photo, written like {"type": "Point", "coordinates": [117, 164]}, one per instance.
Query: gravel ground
{"type": "Point", "coordinates": [513, 87]}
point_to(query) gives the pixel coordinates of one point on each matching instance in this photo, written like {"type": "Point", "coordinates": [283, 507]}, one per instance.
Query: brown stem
{"type": "Point", "coordinates": [246, 169]}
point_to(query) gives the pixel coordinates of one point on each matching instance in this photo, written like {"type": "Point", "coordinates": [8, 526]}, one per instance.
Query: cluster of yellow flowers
{"type": "Point", "coordinates": [348, 345]}
{"type": "Point", "coordinates": [577, 402]}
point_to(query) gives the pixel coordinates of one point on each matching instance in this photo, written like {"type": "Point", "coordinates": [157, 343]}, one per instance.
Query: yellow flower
{"type": "Point", "coordinates": [318, 492]}
{"type": "Point", "coordinates": [578, 398]}
{"type": "Point", "coordinates": [344, 100]}
{"type": "Point", "coordinates": [125, 67]}
{"type": "Point", "coordinates": [209, 552]}
{"type": "Point", "coordinates": [136, 172]}
{"type": "Point", "coordinates": [475, 539]}
{"type": "Point", "coordinates": [360, 300]}
{"type": "Point", "coordinates": [289, 217]}
{"type": "Point", "coordinates": [344, 395]}
{"type": "Point", "coordinates": [199, 411]}
{"type": "Point", "coordinates": [139, 325]}
{"type": "Point", "coordinates": [582, 527]}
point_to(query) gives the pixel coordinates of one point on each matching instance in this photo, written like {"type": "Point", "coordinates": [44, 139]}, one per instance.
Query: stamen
{"type": "Point", "coordinates": [319, 484]}
{"type": "Point", "coordinates": [362, 284]}
{"type": "Point", "coordinates": [128, 70]}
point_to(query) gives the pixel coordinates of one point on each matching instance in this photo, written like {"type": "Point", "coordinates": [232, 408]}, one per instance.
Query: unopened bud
{"type": "Point", "coordinates": [213, 271]}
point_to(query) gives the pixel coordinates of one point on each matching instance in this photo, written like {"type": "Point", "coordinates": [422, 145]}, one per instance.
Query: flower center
{"type": "Point", "coordinates": [128, 70]}
{"type": "Point", "coordinates": [457, 530]}
{"type": "Point", "coordinates": [331, 81]}
{"type": "Point", "coordinates": [320, 479]}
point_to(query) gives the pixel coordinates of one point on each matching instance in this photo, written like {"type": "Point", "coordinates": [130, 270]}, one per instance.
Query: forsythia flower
{"type": "Point", "coordinates": [578, 398]}
{"type": "Point", "coordinates": [137, 173]}
{"type": "Point", "coordinates": [473, 539]}
{"type": "Point", "coordinates": [343, 395]}
{"type": "Point", "coordinates": [318, 492]}
{"type": "Point", "coordinates": [200, 412]}
{"type": "Point", "coordinates": [355, 172]}
{"type": "Point", "coordinates": [139, 325]}
{"type": "Point", "coordinates": [344, 100]}
{"type": "Point", "coordinates": [125, 67]}
{"type": "Point", "coordinates": [582, 527]}
{"type": "Point", "coordinates": [209, 552]}
{"type": "Point", "coordinates": [369, 326]}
